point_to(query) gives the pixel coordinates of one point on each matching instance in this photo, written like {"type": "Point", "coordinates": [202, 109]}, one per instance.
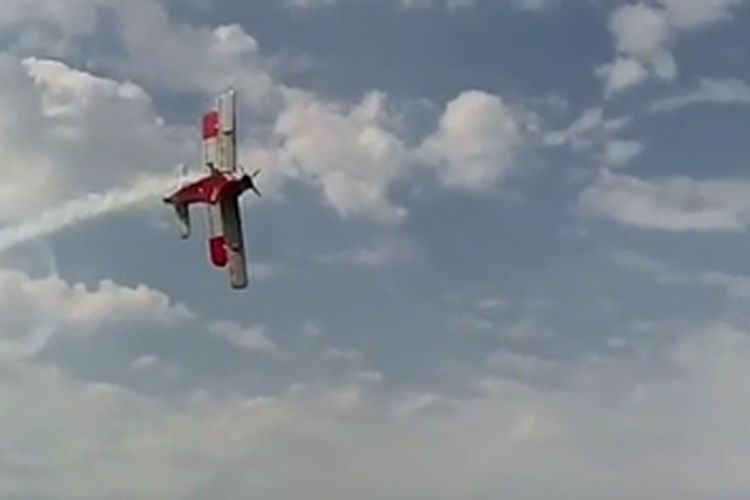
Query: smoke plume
{"type": "Point", "coordinates": [83, 209]}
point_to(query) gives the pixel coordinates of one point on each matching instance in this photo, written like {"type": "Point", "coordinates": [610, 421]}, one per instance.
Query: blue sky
{"type": "Point", "coordinates": [502, 251]}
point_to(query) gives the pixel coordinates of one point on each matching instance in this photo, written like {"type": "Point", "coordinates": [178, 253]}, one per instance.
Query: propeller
{"type": "Point", "coordinates": [253, 186]}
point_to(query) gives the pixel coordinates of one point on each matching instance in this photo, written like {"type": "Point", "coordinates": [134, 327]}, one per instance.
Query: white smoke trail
{"type": "Point", "coordinates": [83, 209]}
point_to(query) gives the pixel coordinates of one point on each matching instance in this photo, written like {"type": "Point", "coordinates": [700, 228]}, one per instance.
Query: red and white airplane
{"type": "Point", "coordinates": [220, 189]}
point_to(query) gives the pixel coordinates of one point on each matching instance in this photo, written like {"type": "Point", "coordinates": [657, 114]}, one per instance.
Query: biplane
{"type": "Point", "coordinates": [220, 190]}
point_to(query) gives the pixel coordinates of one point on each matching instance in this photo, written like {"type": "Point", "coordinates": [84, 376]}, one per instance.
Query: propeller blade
{"type": "Point", "coordinates": [252, 182]}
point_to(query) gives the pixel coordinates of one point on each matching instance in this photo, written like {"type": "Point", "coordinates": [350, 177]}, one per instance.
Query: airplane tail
{"type": "Point", "coordinates": [181, 209]}
{"type": "Point", "coordinates": [183, 218]}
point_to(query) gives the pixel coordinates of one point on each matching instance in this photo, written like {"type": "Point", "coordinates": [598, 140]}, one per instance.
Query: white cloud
{"type": "Point", "coordinates": [382, 253]}
{"type": "Point", "coordinates": [669, 204]}
{"type": "Point", "coordinates": [505, 318]}
{"type": "Point", "coordinates": [64, 132]}
{"type": "Point", "coordinates": [265, 271]}
{"type": "Point", "coordinates": [672, 420]}
{"type": "Point", "coordinates": [73, 18]}
{"type": "Point", "coordinates": [492, 304]}
{"type": "Point", "coordinates": [531, 5]}
{"type": "Point", "coordinates": [145, 362]}
{"type": "Point", "coordinates": [67, 131]}
{"type": "Point", "coordinates": [622, 74]}
{"type": "Point", "coordinates": [619, 152]}
{"type": "Point", "coordinates": [477, 144]}
{"type": "Point", "coordinates": [31, 310]}
{"type": "Point", "coordinates": [102, 131]}
{"type": "Point", "coordinates": [252, 338]}
{"type": "Point", "coordinates": [709, 90]}
{"type": "Point", "coordinates": [645, 33]}
{"type": "Point", "coordinates": [639, 30]}
{"type": "Point", "coordinates": [420, 403]}
{"type": "Point", "coordinates": [350, 153]}
{"type": "Point", "coordinates": [312, 329]}
{"type": "Point", "coordinates": [163, 54]}
{"type": "Point", "coordinates": [353, 154]}
{"type": "Point", "coordinates": [342, 354]}
{"type": "Point", "coordinates": [522, 364]}
{"type": "Point", "coordinates": [311, 4]}
{"type": "Point", "coordinates": [78, 420]}
{"type": "Point", "coordinates": [592, 131]}
{"type": "Point", "coordinates": [642, 37]}
{"type": "Point", "coordinates": [587, 131]}
{"type": "Point", "coordinates": [155, 49]}
{"type": "Point", "coordinates": [734, 286]}
{"type": "Point", "coordinates": [152, 364]}
{"type": "Point", "coordinates": [687, 14]}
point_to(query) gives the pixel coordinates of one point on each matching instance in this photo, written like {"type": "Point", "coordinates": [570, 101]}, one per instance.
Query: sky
{"type": "Point", "coordinates": [502, 251]}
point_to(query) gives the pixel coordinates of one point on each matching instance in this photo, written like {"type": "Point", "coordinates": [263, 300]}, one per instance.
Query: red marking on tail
{"type": "Point", "coordinates": [218, 250]}
{"type": "Point", "coordinates": [211, 125]}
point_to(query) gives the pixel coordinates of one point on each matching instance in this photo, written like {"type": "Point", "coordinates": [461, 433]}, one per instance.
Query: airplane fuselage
{"type": "Point", "coordinates": [220, 190]}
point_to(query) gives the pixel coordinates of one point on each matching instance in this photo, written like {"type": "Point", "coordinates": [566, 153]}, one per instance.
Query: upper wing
{"type": "Point", "coordinates": [220, 134]}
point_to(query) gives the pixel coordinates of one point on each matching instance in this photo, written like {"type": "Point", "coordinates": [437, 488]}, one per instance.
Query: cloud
{"type": "Point", "coordinates": [103, 131]}
{"type": "Point", "coordinates": [354, 154]}
{"type": "Point", "coordinates": [152, 365]}
{"type": "Point", "coordinates": [492, 303]}
{"type": "Point", "coordinates": [505, 318]}
{"type": "Point", "coordinates": [382, 253]}
{"type": "Point", "coordinates": [154, 49]}
{"type": "Point", "coordinates": [74, 18]}
{"type": "Point", "coordinates": [709, 90]}
{"type": "Point", "coordinates": [252, 338]}
{"type": "Point", "coordinates": [669, 418]}
{"type": "Point", "coordinates": [690, 14]}
{"type": "Point", "coordinates": [593, 132]}
{"type": "Point", "coordinates": [669, 422]}
{"type": "Point", "coordinates": [643, 36]}
{"type": "Point", "coordinates": [351, 153]}
{"type": "Point", "coordinates": [65, 132]}
{"type": "Point", "coordinates": [31, 310]}
{"type": "Point", "coordinates": [619, 152]}
{"type": "Point", "coordinates": [347, 355]}
{"type": "Point", "coordinates": [34, 309]}
{"type": "Point", "coordinates": [522, 364]}
{"type": "Point", "coordinates": [529, 5]}
{"type": "Point", "coordinates": [587, 131]}
{"type": "Point", "coordinates": [668, 204]}
{"type": "Point", "coordinates": [734, 286]}
{"type": "Point", "coordinates": [162, 54]}
{"type": "Point", "coordinates": [645, 33]}
{"type": "Point", "coordinates": [622, 74]}
{"type": "Point", "coordinates": [477, 144]}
